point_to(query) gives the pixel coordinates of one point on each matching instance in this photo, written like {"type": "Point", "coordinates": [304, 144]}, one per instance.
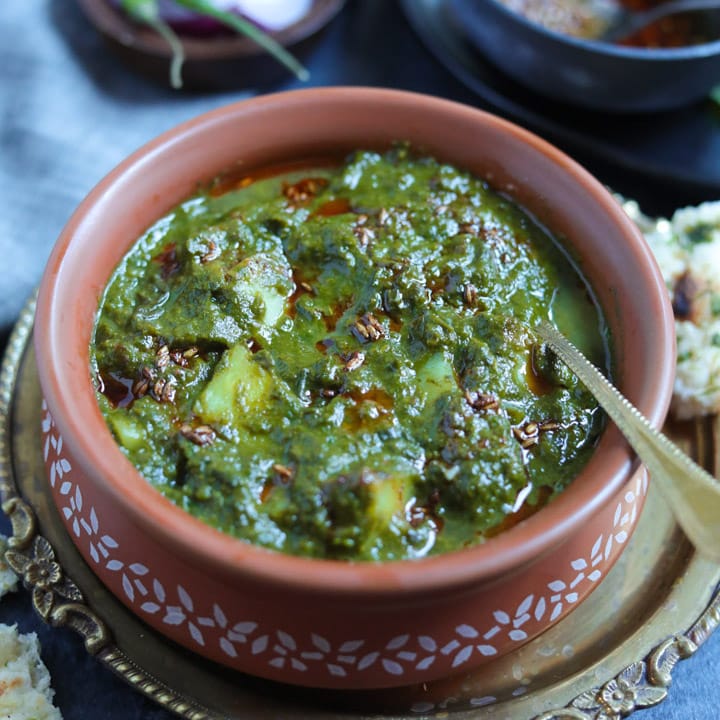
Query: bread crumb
{"type": "Point", "coordinates": [687, 248]}
{"type": "Point", "coordinates": [8, 578]}
{"type": "Point", "coordinates": [25, 692]}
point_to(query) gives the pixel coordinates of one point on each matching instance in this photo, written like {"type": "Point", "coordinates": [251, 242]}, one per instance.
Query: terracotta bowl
{"type": "Point", "coordinates": [327, 623]}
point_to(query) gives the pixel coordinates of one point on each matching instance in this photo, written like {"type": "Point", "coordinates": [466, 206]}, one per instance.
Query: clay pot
{"type": "Point", "coordinates": [326, 623]}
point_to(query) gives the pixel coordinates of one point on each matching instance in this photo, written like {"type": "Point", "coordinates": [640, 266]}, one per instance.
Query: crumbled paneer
{"type": "Point", "coordinates": [687, 248]}
{"type": "Point", "coordinates": [8, 579]}
{"type": "Point", "coordinates": [25, 692]}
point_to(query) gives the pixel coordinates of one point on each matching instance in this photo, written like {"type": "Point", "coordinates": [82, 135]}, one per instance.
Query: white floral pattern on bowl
{"type": "Point", "coordinates": [161, 602]}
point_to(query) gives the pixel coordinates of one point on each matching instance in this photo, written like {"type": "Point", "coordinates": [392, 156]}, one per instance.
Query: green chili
{"type": "Point", "coordinates": [205, 7]}
{"type": "Point", "coordinates": [148, 13]}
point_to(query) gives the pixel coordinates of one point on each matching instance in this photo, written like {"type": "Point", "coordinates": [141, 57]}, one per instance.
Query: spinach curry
{"type": "Point", "coordinates": [339, 362]}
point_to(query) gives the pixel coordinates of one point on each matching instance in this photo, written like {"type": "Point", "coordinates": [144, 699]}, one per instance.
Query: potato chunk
{"type": "Point", "coordinates": [238, 387]}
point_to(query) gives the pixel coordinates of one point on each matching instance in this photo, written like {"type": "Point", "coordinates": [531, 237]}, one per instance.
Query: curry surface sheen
{"type": "Point", "coordinates": [338, 362]}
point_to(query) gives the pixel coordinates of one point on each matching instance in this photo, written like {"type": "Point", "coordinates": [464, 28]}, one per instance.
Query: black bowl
{"type": "Point", "coordinates": [590, 73]}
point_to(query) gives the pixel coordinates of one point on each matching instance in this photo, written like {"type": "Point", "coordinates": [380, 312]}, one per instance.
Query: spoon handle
{"type": "Point", "coordinates": [692, 493]}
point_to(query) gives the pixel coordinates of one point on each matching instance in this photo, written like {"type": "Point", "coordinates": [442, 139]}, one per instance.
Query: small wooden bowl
{"type": "Point", "coordinates": [324, 623]}
{"type": "Point", "coordinates": [211, 62]}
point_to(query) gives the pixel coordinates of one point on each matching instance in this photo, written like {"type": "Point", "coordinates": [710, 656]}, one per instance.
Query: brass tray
{"type": "Point", "coordinates": [614, 654]}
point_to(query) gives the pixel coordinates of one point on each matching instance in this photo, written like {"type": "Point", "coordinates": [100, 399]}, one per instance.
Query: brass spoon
{"type": "Point", "coordinates": [691, 492]}
{"type": "Point", "coordinates": [626, 22]}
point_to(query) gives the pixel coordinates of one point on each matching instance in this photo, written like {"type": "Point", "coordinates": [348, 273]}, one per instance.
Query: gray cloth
{"type": "Point", "coordinates": [68, 113]}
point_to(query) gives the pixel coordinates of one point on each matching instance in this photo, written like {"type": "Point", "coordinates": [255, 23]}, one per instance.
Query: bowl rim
{"type": "Point", "coordinates": [206, 547]}
{"type": "Point", "coordinates": [598, 47]}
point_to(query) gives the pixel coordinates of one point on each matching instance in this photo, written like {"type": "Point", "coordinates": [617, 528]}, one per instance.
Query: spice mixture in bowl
{"type": "Point", "coordinates": [307, 321]}
{"type": "Point", "coordinates": [338, 361]}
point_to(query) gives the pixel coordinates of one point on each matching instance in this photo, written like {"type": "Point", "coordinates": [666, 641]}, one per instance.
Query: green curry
{"type": "Point", "coordinates": [339, 362]}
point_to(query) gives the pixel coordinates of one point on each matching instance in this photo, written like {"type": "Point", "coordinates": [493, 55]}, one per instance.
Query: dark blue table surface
{"type": "Point", "coordinates": [69, 112]}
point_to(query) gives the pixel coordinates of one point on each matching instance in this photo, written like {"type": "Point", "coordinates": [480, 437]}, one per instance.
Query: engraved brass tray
{"type": "Point", "coordinates": [613, 655]}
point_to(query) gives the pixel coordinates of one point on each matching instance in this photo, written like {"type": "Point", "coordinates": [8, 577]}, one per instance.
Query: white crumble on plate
{"type": "Point", "coordinates": [8, 579]}
{"type": "Point", "coordinates": [687, 248]}
{"type": "Point", "coordinates": [25, 692]}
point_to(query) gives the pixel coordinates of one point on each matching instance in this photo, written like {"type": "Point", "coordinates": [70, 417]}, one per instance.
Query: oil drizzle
{"type": "Point", "coordinates": [116, 388]}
